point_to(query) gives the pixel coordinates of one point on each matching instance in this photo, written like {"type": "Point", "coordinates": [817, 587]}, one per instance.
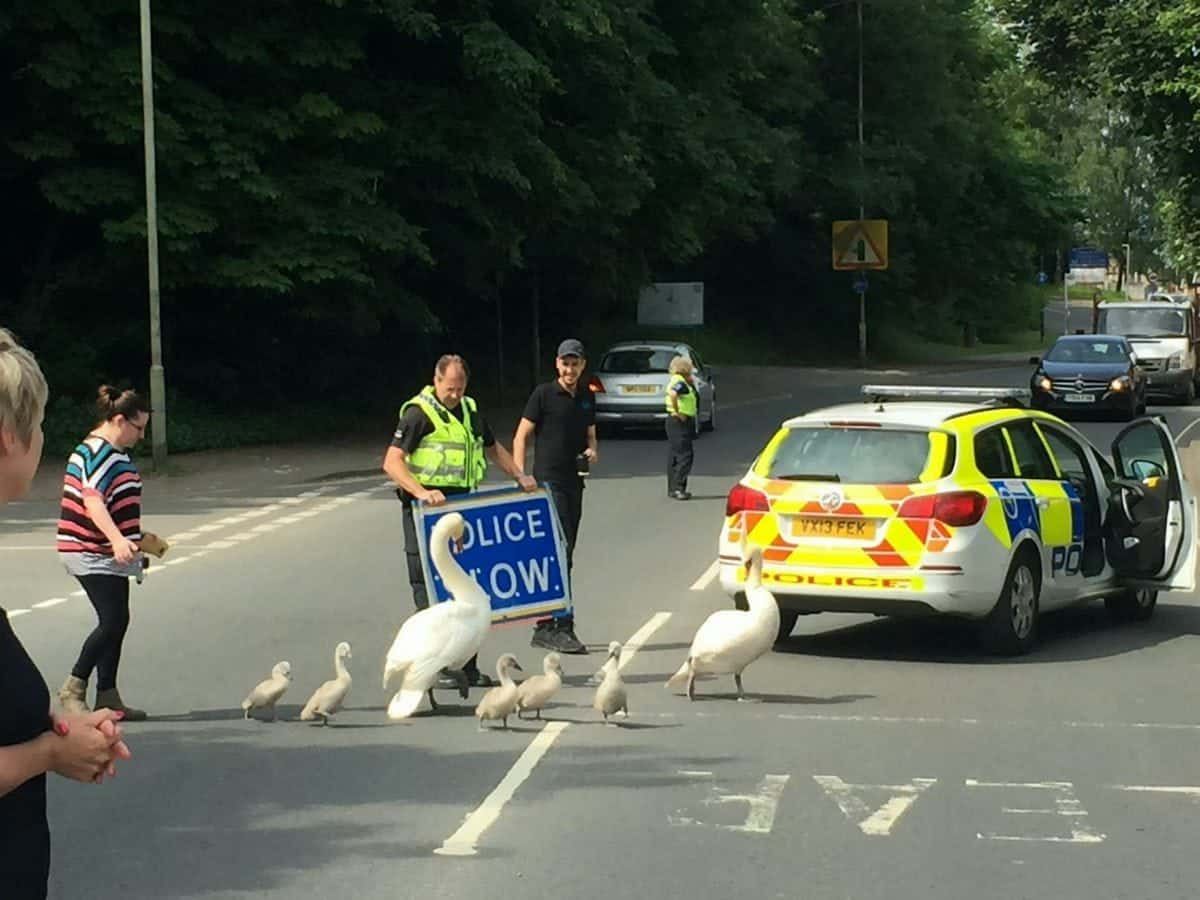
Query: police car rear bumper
{"type": "Point", "coordinates": [876, 591]}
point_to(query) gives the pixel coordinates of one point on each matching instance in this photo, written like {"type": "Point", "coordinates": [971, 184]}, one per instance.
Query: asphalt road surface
{"type": "Point", "coordinates": [882, 759]}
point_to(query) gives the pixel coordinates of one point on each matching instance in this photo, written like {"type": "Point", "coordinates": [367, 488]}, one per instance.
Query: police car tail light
{"type": "Point", "coordinates": [742, 498]}
{"type": "Point", "coordinates": [596, 386]}
{"type": "Point", "coordinates": [956, 508]}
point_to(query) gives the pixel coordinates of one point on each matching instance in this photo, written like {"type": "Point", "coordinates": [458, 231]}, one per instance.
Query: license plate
{"type": "Point", "coordinates": [827, 526]}
{"type": "Point", "coordinates": [1080, 398]}
{"type": "Point", "coordinates": [639, 388]}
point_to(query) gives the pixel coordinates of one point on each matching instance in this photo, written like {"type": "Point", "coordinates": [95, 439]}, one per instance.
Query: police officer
{"type": "Point", "coordinates": [560, 416]}
{"type": "Point", "coordinates": [440, 449]}
{"type": "Point", "coordinates": [682, 408]}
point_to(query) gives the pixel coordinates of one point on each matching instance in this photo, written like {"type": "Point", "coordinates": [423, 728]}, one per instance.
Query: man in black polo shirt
{"type": "Point", "coordinates": [561, 418]}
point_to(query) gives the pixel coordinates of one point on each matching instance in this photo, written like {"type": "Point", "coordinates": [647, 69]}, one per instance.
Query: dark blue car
{"type": "Point", "coordinates": [1090, 373]}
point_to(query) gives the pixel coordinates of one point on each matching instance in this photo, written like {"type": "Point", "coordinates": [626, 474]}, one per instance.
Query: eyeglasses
{"type": "Point", "coordinates": [141, 429]}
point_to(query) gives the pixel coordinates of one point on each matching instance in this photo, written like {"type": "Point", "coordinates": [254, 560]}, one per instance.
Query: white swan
{"type": "Point", "coordinates": [443, 636]}
{"type": "Point", "coordinates": [501, 701]}
{"type": "Point", "coordinates": [535, 692]}
{"type": "Point", "coordinates": [267, 693]}
{"type": "Point", "coordinates": [329, 697]}
{"type": "Point", "coordinates": [731, 639]}
{"type": "Point", "coordinates": [611, 696]}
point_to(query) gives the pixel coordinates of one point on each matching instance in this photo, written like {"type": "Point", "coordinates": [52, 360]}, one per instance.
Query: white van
{"type": "Point", "coordinates": [1163, 332]}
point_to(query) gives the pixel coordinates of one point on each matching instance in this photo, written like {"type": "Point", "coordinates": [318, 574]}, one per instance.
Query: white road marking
{"type": "Point", "coordinates": [463, 842]}
{"type": "Point", "coordinates": [708, 577]}
{"type": "Point", "coordinates": [1066, 805]}
{"type": "Point", "coordinates": [78, 593]}
{"type": "Point", "coordinates": [53, 601]}
{"type": "Point", "coordinates": [880, 822]}
{"type": "Point", "coordinates": [13, 613]}
{"type": "Point", "coordinates": [1185, 790]}
{"type": "Point", "coordinates": [630, 648]}
{"type": "Point", "coordinates": [1190, 425]}
{"type": "Point", "coordinates": [761, 805]}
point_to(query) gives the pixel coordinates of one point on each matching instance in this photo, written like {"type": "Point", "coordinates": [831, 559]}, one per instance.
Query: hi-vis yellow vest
{"type": "Point", "coordinates": [452, 455]}
{"type": "Point", "coordinates": [687, 401]}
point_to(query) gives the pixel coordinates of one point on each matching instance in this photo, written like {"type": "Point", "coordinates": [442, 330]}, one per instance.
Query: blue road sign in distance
{"type": "Point", "coordinates": [513, 546]}
{"type": "Point", "coordinates": [1087, 258]}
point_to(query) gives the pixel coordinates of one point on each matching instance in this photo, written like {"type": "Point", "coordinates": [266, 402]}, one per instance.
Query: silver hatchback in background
{"type": "Point", "coordinates": [630, 382]}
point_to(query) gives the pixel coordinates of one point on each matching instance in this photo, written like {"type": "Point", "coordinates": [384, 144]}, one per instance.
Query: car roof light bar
{"type": "Point", "coordinates": [881, 392]}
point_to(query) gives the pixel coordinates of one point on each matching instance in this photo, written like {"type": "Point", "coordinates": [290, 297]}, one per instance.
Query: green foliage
{"type": "Point", "coordinates": [1141, 57]}
{"type": "Point", "coordinates": [348, 188]}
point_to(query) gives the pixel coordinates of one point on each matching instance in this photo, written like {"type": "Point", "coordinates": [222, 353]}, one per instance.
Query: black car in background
{"type": "Point", "coordinates": [1089, 373]}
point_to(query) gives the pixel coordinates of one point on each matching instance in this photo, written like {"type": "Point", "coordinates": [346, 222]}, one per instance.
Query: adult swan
{"type": "Point", "coordinates": [443, 636]}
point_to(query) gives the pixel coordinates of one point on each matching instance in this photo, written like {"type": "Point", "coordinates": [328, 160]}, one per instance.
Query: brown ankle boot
{"type": "Point", "coordinates": [72, 696]}
{"type": "Point", "coordinates": [111, 699]}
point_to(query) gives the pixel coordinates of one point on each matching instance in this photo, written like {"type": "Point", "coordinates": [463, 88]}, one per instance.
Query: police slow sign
{"type": "Point", "coordinates": [512, 546]}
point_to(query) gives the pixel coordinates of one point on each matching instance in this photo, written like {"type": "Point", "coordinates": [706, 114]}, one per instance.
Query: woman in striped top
{"type": "Point", "coordinates": [99, 528]}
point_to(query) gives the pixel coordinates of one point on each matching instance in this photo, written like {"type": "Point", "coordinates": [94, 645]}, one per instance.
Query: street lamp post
{"type": "Point", "coordinates": [862, 295]}
{"type": "Point", "coordinates": [158, 400]}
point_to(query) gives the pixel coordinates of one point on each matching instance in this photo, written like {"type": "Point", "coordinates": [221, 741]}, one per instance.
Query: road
{"type": "Point", "coordinates": [882, 759]}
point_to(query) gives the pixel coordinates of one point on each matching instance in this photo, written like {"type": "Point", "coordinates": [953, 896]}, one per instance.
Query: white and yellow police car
{"type": "Point", "coordinates": [960, 501]}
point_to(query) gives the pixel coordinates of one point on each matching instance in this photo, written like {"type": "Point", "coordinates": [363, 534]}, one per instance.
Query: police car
{"type": "Point", "coordinates": [960, 501]}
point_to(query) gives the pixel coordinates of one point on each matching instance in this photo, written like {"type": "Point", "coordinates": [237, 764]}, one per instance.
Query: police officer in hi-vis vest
{"type": "Point", "coordinates": [682, 408]}
{"type": "Point", "coordinates": [440, 449]}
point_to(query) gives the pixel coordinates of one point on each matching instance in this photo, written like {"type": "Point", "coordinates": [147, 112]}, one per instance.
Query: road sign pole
{"type": "Point", "coordinates": [1066, 302]}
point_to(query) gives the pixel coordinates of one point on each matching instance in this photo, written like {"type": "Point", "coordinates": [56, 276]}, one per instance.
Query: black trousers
{"type": "Point", "coordinates": [568, 503]}
{"type": "Point", "coordinates": [416, 575]}
{"type": "Point", "coordinates": [109, 595]}
{"type": "Point", "coordinates": [679, 454]}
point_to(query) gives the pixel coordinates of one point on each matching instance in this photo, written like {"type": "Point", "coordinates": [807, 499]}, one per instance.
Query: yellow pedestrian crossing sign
{"type": "Point", "coordinates": [860, 244]}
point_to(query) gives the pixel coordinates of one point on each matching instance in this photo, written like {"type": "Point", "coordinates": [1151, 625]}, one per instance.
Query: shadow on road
{"type": "Point", "coordinates": [1071, 635]}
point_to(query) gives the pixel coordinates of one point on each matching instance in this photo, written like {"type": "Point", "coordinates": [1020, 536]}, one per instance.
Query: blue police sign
{"type": "Point", "coordinates": [513, 546]}
{"type": "Point", "coordinates": [1087, 258]}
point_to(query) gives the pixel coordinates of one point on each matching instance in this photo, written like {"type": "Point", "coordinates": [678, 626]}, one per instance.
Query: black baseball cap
{"type": "Point", "coordinates": [571, 347]}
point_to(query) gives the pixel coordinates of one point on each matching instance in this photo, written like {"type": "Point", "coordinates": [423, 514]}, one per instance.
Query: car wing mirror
{"type": "Point", "coordinates": [1035, 360]}
{"type": "Point", "coordinates": [1144, 469]}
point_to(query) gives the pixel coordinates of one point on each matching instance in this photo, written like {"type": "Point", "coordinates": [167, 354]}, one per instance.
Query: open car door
{"type": "Point", "coordinates": [1150, 533]}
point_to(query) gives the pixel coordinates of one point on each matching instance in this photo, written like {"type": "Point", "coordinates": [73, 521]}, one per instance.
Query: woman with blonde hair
{"type": "Point", "coordinates": [99, 529]}
{"type": "Point", "coordinates": [32, 742]}
{"type": "Point", "coordinates": [682, 409]}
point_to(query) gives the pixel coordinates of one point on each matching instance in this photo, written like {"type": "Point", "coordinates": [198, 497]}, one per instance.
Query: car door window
{"type": "Point", "coordinates": [1068, 455]}
{"type": "Point", "coordinates": [1140, 454]}
{"type": "Point", "coordinates": [1032, 459]}
{"type": "Point", "coordinates": [991, 454]}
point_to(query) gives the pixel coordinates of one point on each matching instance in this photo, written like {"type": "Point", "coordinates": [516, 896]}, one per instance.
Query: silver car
{"type": "Point", "coordinates": [630, 384]}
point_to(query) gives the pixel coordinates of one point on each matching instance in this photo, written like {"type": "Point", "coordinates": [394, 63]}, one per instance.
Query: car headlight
{"type": "Point", "coordinates": [1042, 383]}
{"type": "Point", "coordinates": [1121, 383]}
{"type": "Point", "coordinates": [1175, 361]}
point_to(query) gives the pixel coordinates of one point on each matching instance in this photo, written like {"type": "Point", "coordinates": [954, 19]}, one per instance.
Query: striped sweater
{"type": "Point", "coordinates": [98, 469]}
